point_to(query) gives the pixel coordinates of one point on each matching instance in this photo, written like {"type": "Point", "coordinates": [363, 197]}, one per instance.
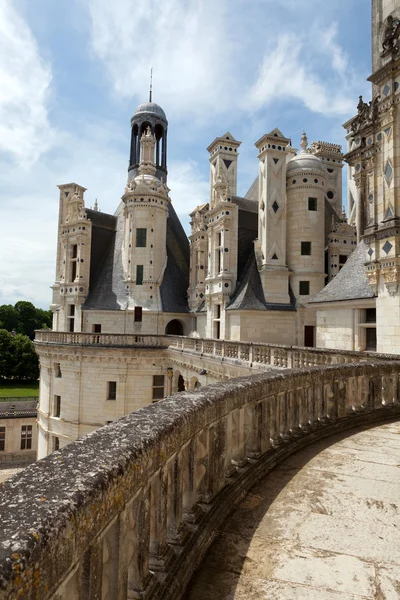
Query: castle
{"type": "Point", "coordinates": [255, 269]}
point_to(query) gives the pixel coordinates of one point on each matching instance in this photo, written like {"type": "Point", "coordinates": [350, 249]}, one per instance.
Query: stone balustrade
{"type": "Point", "coordinates": [128, 511]}
{"type": "Point", "coordinates": [258, 355]}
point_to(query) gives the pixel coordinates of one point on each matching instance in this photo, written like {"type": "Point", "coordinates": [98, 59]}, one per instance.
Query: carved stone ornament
{"type": "Point", "coordinates": [76, 208]}
{"type": "Point", "coordinates": [391, 277]}
{"type": "Point", "coordinates": [391, 35]}
{"type": "Point", "coordinates": [373, 280]}
{"type": "Point", "coordinates": [366, 114]}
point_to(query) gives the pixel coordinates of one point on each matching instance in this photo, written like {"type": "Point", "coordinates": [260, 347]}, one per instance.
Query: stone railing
{"type": "Point", "coordinates": [288, 357]}
{"type": "Point", "coordinates": [44, 336]}
{"type": "Point", "coordinates": [128, 511]}
{"type": "Point", "coordinates": [250, 354]}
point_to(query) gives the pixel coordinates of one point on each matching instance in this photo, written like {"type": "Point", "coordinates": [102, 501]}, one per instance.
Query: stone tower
{"type": "Point", "coordinates": [73, 259]}
{"type": "Point", "coordinates": [306, 188]}
{"type": "Point", "coordinates": [374, 158]}
{"type": "Point", "coordinates": [145, 212]}
{"type": "Point", "coordinates": [271, 244]}
{"type": "Point", "coordinates": [149, 114]}
{"type": "Point", "coordinates": [222, 226]}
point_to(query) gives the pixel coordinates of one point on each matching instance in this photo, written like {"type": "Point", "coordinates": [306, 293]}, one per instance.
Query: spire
{"type": "Point", "coordinates": [96, 206]}
{"type": "Point", "coordinates": [151, 85]}
{"type": "Point", "coordinates": [304, 142]}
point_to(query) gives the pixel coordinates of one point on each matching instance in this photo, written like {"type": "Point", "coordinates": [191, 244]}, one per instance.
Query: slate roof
{"type": "Point", "coordinates": [249, 294]}
{"type": "Point", "coordinates": [19, 409]}
{"type": "Point", "coordinates": [350, 283]}
{"type": "Point", "coordinates": [107, 287]}
{"type": "Point", "coordinates": [252, 193]}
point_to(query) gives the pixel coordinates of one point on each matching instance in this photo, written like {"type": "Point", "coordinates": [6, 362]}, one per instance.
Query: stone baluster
{"type": "Point", "coordinates": [190, 508]}
{"type": "Point", "coordinates": [176, 529]}
{"type": "Point", "coordinates": [92, 565]}
{"type": "Point", "coordinates": [110, 570]}
{"type": "Point", "coordinates": [160, 552]}
{"type": "Point", "coordinates": [363, 391]}
{"type": "Point", "coordinates": [238, 442]}
{"type": "Point", "coordinates": [229, 467]}
{"type": "Point", "coordinates": [352, 404]}
{"type": "Point", "coordinates": [318, 395]}
{"type": "Point", "coordinates": [375, 392]}
{"type": "Point", "coordinates": [253, 426]}
{"type": "Point", "coordinates": [329, 401]}
{"type": "Point", "coordinates": [140, 580]}
{"type": "Point", "coordinates": [389, 389]}
{"type": "Point", "coordinates": [274, 419]}
{"type": "Point", "coordinates": [282, 403]}
{"type": "Point", "coordinates": [339, 390]}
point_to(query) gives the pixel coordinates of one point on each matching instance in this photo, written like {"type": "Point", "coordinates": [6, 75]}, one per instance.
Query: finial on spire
{"type": "Point", "coordinates": [151, 85]}
{"type": "Point", "coordinates": [304, 142]}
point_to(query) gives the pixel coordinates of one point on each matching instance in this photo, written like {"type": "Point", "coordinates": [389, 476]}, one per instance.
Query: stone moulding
{"type": "Point", "coordinates": [92, 520]}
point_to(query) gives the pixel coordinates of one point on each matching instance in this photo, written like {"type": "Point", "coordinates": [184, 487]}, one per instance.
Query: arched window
{"type": "Point", "coordinates": [174, 327]}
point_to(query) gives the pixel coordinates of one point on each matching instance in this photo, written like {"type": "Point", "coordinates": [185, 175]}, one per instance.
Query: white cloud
{"type": "Point", "coordinates": [187, 43]}
{"type": "Point", "coordinates": [212, 57]}
{"type": "Point", "coordinates": [312, 69]}
{"type": "Point", "coordinates": [25, 80]}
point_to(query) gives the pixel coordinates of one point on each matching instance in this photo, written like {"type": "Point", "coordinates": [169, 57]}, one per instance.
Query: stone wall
{"type": "Point", "coordinates": [129, 510]}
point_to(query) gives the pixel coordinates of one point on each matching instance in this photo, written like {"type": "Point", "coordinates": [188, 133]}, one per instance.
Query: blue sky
{"type": "Point", "coordinates": [73, 71]}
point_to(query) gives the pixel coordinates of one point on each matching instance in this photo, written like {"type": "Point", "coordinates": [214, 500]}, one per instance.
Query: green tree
{"type": "Point", "coordinates": [26, 318]}
{"type": "Point", "coordinates": [6, 355]}
{"type": "Point", "coordinates": [25, 360]}
{"type": "Point", "coordinates": [8, 317]}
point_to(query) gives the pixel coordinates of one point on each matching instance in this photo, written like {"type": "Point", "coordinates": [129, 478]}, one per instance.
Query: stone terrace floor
{"type": "Point", "coordinates": [324, 525]}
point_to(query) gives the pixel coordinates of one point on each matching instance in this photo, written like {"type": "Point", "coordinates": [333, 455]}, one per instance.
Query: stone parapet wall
{"type": "Point", "coordinates": [129, 510]}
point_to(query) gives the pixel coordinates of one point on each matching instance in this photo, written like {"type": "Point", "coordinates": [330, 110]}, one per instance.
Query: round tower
{"type": "Point", "coordinates": [149, 115]}
{"type": "Point", "coordinates": [306, 189]}
{"type": "Point", "coordinates": [145, 245]}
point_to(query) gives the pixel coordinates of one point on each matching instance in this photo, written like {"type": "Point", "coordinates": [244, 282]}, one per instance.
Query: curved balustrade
{"type": "Point", "coordinates": [248, 353]}
{"type": "Point", "coordinates": [129, 510]}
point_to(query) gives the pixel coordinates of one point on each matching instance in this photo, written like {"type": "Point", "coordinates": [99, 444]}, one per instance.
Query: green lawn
{"type": "Point", "coordinates": [13, 389]}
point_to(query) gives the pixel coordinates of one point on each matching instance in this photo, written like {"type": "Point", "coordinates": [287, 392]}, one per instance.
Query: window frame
{"type": "Point", "coordinates": [157, 388]}
{"type": "Point", "coordinates": [2, 438]}
{"type": "Point", "coordinates": [139, 274]}
{"type": "Point", "coordinates": [57, 406]}
{"type": "Point", "coordinates": [26, 437]}
{"type": "Point", "coordinates": [305, 248]}
{"type": "Point", "coordinates": [312, 204]}
{"type": "Point", "coordinates": [308, 288]}
{"type": "Point", "coordinates": [141, 237]}
{"type": "Point", "coordinates": [111, 390]}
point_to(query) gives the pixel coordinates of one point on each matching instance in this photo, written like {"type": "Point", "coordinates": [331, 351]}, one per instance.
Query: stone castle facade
{"type": "Point", "coordinates": [255, 269]}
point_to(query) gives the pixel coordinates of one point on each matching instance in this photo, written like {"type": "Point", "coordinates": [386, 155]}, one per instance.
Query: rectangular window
{"type": "Point", "coordinates": [141, 238]}
{"type": "Point", "coordinates": [158, 387]}
{"type": "Point", "coordinates": [304, 288]}
{"type": "Point", "coordinates": [26, 437]}
{"type": "Point", "coordinates": [112, 390]}
{"type": "Point", "coordinates": [2, 439]}
{"type": "Point", "coordinates": [312, 204]}
{"type": "Point", "coordinates": [342, 260]}
{"type": "Point", "coordinates": [57, 406]}
{"type": "Point", "coordinates": [96, 328]}
{"type": "Point", "coordinates": [370, 315]}
{"type": "Point", "coordinates": [71, 315]}
{"type": "Point", "coordinates": [306, 248]}
{"type": "Point", "coordinates": [56, 443]}
{"type": "Point", "coordinates": [138, 314]}
{"type": "Point", "coordinates": [139, 274]}
{"type": "Point", "coordinates": [74, 258]}
{"type": "Point", "coordinates": [57, 370]}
